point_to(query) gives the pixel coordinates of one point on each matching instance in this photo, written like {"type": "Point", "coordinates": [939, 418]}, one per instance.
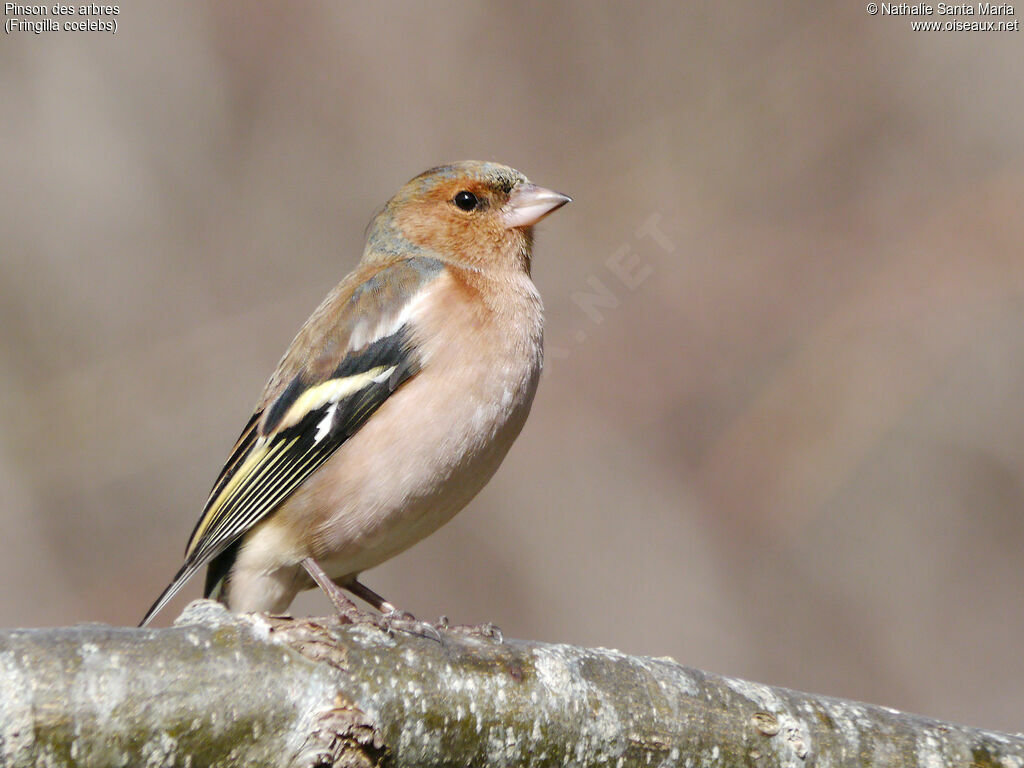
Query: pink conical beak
{"type": "Point", "coordinates": [530, 203]}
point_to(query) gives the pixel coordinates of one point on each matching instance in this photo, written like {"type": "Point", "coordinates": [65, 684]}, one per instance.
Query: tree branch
{"type": "Point", "coordinates": [221, 689]}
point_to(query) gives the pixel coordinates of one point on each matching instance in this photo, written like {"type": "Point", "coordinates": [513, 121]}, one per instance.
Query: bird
{"type": "Point", "coordinates": [394, 404]}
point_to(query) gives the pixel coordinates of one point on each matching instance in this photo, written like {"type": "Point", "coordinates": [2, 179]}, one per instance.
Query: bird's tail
{"type": "Point", "coordinates": [187, 572]}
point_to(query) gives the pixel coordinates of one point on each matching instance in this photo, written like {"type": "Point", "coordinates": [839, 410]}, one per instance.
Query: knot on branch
{"type": "Point", "coordinates": [342, 737]}
{"type": "Point", "coordinates": [313, 638]}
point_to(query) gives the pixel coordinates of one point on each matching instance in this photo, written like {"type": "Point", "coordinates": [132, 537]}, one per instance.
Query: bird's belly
{"type": "Point", "coordinates": [407, 472]}
{"type": "Point", "coordinates": [362, 536]}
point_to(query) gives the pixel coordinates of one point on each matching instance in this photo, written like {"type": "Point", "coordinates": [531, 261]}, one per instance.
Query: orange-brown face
{"type": "Point", "coordinates": [470, 213]}
{"type": "Point", "coordinates": [460, 211]}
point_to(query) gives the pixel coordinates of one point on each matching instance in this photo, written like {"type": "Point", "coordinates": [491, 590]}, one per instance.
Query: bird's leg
{"type": "Point", "coordinates": [363, 592]}
{"type": "Point", "coordinates": [391, 618]}
{"type": "Point", "coordinates": [409, 623]}
{"type": "Point", "coordinates": [345, 607]}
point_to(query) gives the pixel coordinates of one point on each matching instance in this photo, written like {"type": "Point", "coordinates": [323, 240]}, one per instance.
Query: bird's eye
{"type": "Point", "coordinates": [465, 200]}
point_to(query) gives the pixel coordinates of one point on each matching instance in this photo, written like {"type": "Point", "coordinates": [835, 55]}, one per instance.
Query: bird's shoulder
{"type": "Point", "coordinates": [369, 305]}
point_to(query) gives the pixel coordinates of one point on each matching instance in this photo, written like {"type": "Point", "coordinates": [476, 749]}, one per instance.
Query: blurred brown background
{"type": "Point", "coordinates": [788, 446]}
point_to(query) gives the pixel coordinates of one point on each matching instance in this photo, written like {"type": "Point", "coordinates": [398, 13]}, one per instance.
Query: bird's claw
{"type": "Point", "coordinates": [488, 630]}
{"type": "Point", "coordinates": [403, 621]}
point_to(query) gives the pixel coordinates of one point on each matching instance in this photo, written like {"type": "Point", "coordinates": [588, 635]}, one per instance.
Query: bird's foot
{"type": "Point", "coordinates": [403, 621]}
{"type": "Point", "coordinates": [487, 631]}
{"type": "Point", "coordinates": [390, 622]}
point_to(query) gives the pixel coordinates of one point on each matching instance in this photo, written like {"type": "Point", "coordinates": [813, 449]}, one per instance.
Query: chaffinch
{"type": "Point", "coordinates": [394, 404]}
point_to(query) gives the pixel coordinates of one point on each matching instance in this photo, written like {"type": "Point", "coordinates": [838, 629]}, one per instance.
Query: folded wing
{"type": "Point", "coordinates": [313, 404]}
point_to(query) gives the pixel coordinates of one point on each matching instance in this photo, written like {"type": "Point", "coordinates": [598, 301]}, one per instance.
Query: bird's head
{"type": "Point", "coordinates": [470, 212]}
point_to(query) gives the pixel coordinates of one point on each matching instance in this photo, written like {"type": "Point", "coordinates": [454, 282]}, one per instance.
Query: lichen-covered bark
{"type": "Point", "coordinates": [219, 689]}
{"type": "Point", "coordinates": [214, 694]}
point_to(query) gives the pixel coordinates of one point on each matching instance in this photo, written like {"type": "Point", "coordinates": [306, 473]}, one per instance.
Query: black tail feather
{"type": "Point", "coordinates": [187, 572]}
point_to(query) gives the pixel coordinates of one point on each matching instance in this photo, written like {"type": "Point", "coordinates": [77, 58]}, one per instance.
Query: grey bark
{"type": "Point", "coordinates": [219, 689]}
